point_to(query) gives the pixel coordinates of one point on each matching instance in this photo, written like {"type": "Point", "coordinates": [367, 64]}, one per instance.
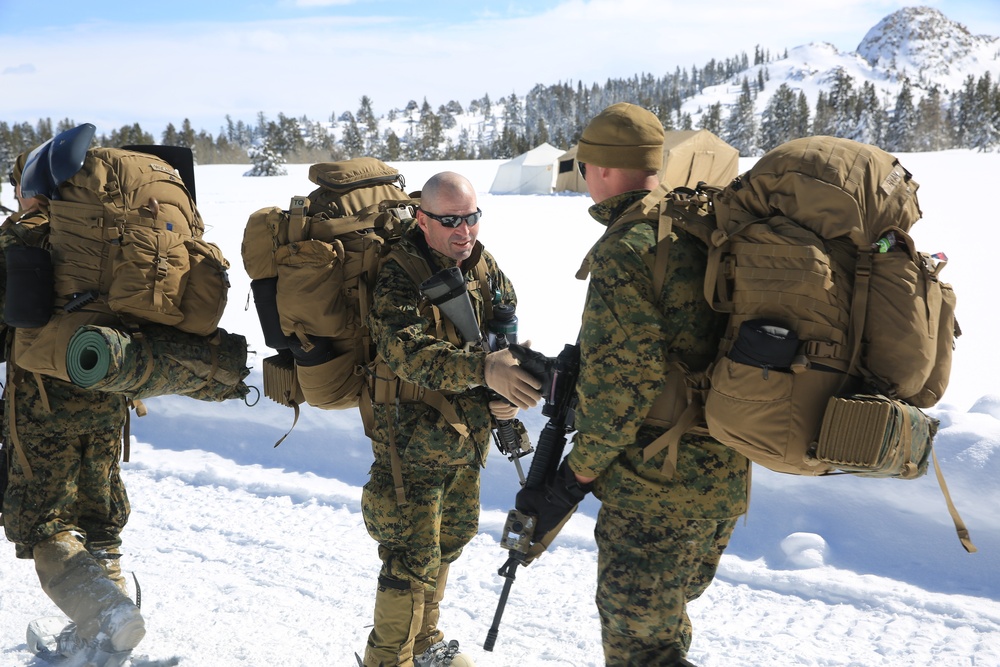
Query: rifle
{"type": "Point", "coordinates": [446, 289]}
{"type": "Point", "coordinates": [558, 377]}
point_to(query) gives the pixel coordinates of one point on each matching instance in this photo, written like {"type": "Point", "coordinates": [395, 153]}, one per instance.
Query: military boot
{"type": "Point", "coordinates": [399, 610]}
{"type": "Point", "coordinates": [106, 624]}
{"type": "Point", "coordinates": [429, 633]}
{"type": "Point", "coordinates": [110, 561]}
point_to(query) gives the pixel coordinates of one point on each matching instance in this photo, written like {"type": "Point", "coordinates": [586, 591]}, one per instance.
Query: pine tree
{"type": "Point", "coordinates": [930, 131]}
{"type": "Point", "coordinates": [778, 122]}
{"type": "Point", "coordinates": [711, 120]}
{"type": "Point", "coordinates": [741, 128]}
{"type": "Point", "coordinates": [800, 121]}
{"type": "Point", "coordinates": [368, 126]}
{"type": "Point", "coordinates": [823, 121]}
{"type": "Point", "coordinates": [900, 129]}
{"type": "Point", "coordinates": [870, 119]}
{"type": "Point", "coordinates": [266, 161]}
{"type": "Point", "coordinates": [985, 116]}
{"type": "Point", "coordinates": [351, 139]}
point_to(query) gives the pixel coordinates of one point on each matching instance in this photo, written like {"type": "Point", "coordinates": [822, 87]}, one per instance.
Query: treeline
{"type": "Point", "coordinates": [968, 118]}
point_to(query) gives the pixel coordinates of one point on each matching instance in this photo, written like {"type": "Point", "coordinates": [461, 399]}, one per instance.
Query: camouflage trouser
{"type": "Point", "coordinates": [440, 517]}
{"type": "Point", "coordinates": [73, 452]}
{"type": "Point", "coordinates": [649, 568]}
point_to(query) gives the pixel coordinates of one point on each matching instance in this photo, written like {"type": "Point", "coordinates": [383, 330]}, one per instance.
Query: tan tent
{"type": "Point", "coordinates": [689, 156]}
{"type": "Point", "coordinates": [568, 178]}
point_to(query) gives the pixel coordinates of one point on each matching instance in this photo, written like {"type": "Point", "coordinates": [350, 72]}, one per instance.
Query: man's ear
{"type": "Point", "coordinates": [422, 220]}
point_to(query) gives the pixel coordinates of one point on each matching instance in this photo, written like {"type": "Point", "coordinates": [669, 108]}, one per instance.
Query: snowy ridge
{"type": "Point", "coordinates": [924, 44]}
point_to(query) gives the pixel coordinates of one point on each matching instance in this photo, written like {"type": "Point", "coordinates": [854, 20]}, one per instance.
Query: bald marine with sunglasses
{"type": "Point", "coordinates": [431, 425]}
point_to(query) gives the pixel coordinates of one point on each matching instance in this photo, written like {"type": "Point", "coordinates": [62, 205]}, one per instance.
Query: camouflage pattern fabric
{"type": "Point", "coordinates": [651, 567]}
{"type": "Point", "coordinates": [403, 333]}
{"type": "Point", "coordinates": [440, 468]}
{"type": "Point", "coordinates": [626, 335]}
{"type": "Point", "coordinates": [73, 452]}
{"type": "Point", "coordinates": [439, 519]}
{"type": "Point", "coordinates": [659, 537]}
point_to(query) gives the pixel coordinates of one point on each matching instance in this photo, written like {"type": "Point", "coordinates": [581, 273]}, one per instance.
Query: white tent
{"type": "Point", "coordinates": [531, 173]}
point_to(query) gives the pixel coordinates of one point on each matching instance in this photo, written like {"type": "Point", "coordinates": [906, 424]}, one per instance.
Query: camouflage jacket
{"type": "Point", "coordinates": [403, 331]}
{"type": "Point", "coordinates": [625, 339]}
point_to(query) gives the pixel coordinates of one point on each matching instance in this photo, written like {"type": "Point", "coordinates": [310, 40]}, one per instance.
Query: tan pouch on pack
{"type": "Point", "coordinates": [206, 290]}
{"type": "Point", "coordinates": [875, 436]}
{"type": "Point", "coordinates": [771, 417]}
{"type": "Point", "coordinates": [310, 288]}
{"type": "Point", "coordinates": [43, 350]}
{"type": "Point", "coordinates": [332, 385]}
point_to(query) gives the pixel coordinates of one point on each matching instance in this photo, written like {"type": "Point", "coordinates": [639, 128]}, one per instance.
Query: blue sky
{"type": "Point", "coordinates": [63, 13]}
{"type": "Point", "coordinates": [114, 63]}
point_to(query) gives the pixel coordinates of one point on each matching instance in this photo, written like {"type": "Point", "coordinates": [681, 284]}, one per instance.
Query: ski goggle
{"type": "Point", "coordinates": [455, 220]}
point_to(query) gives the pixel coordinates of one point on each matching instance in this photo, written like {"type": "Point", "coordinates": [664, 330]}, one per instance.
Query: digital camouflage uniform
{"type": "Point", "coordinates": [71, 440]}
{"type": "Point", "coordinates": [440, 468]}
{"type": "Point", "coordinates": [659, 536]}
{"type": "Point", "coordinates": [65, 504]}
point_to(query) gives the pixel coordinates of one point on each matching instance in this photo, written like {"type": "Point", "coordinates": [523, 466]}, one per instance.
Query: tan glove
{"type": "Point", "coordinates": [503, 410]}
{"type": "Point", "coordinates": [504, 376]}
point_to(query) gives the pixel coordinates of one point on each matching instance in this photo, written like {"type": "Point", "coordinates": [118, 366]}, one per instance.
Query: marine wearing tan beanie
{"type": "Point", "coordinates": [623, 136]}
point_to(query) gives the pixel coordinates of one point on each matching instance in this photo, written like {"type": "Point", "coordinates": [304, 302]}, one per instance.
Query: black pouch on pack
{"type": "Point", "coordinates": [265, 300]}
{"type": "Point", "coordinates": [30, 287]}
{"type": "Point", "coordinates": [321, 352]}
{"type": "Point", "coordinates": [765, 344]}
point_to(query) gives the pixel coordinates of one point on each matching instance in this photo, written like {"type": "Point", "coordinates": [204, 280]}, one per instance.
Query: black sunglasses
{"type": "Point", "coordinates": [10, 177]}
{"type": "Point", "coordinates": [582, 166]}
{"type": "Point", "coordinates": [455, 220]}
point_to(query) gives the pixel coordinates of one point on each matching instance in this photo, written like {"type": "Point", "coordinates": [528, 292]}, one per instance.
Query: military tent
{"type": "Point", "coordinates": [530, 173]}
{"type": "Point", "coordinates": [689, 156]}
{"type": "Point", "coordinates": [568, 178]}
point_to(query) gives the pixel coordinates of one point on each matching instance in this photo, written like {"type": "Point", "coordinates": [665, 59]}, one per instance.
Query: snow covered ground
{"type": "Point", "coordinates": [252, 556]}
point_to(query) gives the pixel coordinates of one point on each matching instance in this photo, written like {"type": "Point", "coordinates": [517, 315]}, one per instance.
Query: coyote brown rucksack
{"type": "Point", "coordinates": [839, 328]}
{"type": "Point", "coordinates": [126, 245]}
{"type": "Point", "coordinates": [312, 269]}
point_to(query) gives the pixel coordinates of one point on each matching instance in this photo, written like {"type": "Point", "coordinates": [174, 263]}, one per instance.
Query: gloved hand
{"type": "Point", "coordinates": [503, 410]}
{"type": "Point", "coordinates": [551, 504]}
{"type": "Point", "coordinates": [504, 376]}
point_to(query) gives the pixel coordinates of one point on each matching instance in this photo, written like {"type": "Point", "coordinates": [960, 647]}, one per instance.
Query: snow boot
{"type": "Point", "coordinates": [110, 562]}
{"type": "Point", "coordinates": [429, 633]}
{"type": "Point", "coordinates": [104, 619]}
{"type": "Point", "coordinates": [444, 655]}
{"type": "Point", "coordinates": [399, 611]}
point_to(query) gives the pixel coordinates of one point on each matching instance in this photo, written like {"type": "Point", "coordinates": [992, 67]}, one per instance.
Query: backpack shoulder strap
{"type": "Point", "coordinates": [686, 208]}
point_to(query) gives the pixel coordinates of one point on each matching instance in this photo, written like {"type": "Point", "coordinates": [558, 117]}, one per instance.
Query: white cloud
{"type": "Point", "coordinates": [160, 73]}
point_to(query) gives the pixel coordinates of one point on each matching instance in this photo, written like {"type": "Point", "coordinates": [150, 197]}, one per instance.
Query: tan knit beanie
{"type": "Point", "coordinates": [19, 166]}
{"type": "Point", "coordinates": [623, 136]}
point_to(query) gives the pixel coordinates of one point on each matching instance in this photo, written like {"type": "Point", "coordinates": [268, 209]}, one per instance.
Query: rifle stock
{"type": "Point", "coordinates": [447, 291]}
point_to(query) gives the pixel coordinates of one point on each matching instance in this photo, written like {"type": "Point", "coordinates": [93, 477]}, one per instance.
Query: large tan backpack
{"type": "Point", "coordinates": [126, 246]}
{"type": "Point", "coordinates": [312, 269]}
{"type": "Point", "coordinates": [124, 229]}
{"type": "Point", "coordinates": [839, 329]}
